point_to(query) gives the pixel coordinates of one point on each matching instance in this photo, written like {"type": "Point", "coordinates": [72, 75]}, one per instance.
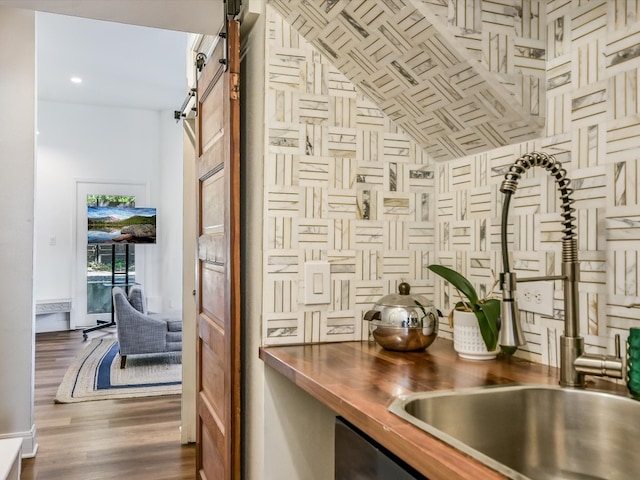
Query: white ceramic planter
{"type": "Point", "coordinates": [467, 339]}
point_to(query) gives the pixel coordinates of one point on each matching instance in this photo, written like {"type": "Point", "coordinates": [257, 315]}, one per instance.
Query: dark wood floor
{"type": "Point", "coordinates": [136, 439]}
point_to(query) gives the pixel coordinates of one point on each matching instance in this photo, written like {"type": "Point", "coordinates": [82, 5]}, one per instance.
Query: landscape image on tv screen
{"type": "Point", "coordinates": [121, 225]}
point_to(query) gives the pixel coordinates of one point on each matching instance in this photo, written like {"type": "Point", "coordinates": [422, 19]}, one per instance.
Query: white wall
{"type": "Point", "coordinates": [17, 136]}
{"type": "Point", "coordinates": [299, 432]}
{"type": "Point", "coordinates": [189, 239]}
{"type": "Point", "coordinates": [168, 198]}
{"type": "Point", "coordinates": [252, 86]}
{"type": "Point", "coordinates": [81, 142]}
{"type": "Point", "coordinates": [286, 433]}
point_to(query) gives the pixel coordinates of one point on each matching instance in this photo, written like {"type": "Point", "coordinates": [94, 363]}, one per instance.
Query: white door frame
{"type": "Point", "coordinates": [83, 187]}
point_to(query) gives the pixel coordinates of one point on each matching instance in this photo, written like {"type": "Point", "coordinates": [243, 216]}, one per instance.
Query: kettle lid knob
{"type": "Point", "coordinates": [404, 288]}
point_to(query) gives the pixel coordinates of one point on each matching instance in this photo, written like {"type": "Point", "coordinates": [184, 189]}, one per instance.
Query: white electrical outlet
{"type": "Point", "coordinates": [536, 297]}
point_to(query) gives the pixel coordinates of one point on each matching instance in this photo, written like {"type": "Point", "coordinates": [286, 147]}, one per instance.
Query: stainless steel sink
{"type": "Point", "coordinates": [532, 431]}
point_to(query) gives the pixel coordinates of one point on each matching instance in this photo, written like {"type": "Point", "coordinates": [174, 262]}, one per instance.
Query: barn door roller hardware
{"type": "Point", "coordinates": [178, 115]}
{"type": "Point", "coordinates": [232, 8]}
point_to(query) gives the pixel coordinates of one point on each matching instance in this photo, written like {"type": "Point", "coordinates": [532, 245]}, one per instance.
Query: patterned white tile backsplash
{"type": "Point", "coordinates": [345, 185]}
{"type": "Point", "coordinates": [459, 78]}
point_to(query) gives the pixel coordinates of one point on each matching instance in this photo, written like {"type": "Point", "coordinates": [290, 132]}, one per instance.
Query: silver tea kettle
{"type": "Point", "coordinates": [402, 321]}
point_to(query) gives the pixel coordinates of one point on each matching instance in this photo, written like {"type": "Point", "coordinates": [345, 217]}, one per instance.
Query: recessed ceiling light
{"type": "Point", "coordinates": [76, 80]}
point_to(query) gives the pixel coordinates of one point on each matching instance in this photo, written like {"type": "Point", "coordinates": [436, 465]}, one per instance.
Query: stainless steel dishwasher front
{"type": "Point", "coordinates": [358, 457]}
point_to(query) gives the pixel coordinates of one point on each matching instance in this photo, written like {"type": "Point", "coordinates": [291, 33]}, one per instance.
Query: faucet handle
{"type": "Point", "coordinates": [603, 365]}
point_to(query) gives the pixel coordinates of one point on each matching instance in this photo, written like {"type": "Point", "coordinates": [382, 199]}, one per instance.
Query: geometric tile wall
{"type": "Point", "coordinates": [593, 128]}
{"type": "Point", "coordinates": [460, 79]}
{"type": "Point", "coordinates": [342, 185]}
{"type": "Point", "coordinates": [330, 190]}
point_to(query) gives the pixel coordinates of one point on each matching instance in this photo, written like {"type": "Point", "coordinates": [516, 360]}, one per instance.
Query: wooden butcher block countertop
{"type": "Point", "coordinates": [359, 380]}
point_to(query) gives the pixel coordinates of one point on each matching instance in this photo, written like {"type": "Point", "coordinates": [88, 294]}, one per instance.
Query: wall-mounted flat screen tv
{"type": "Point", "coordinates": [110, 225]}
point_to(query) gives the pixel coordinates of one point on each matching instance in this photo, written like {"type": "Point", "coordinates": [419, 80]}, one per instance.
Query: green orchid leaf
{"type": "Point", "coordinates": [491, 308]}
{"type": "Point", "coordinates": [457, 280]}
{"type": "Point", "coordinates": [488, 330]}
{"type": "Point", "coordinates": [488, 315]}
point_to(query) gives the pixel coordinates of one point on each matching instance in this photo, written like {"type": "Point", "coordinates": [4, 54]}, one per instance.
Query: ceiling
{"type": "Point", "coordinates": [195, 16]}
{"type": "Point", "coordinates": [121, 63]}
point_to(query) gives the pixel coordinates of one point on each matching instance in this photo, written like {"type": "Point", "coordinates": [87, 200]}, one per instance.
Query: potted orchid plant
{"type": "Point", "coordinates": [485, 309]}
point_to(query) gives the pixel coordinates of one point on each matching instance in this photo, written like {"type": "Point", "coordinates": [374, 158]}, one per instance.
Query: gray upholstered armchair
{"type": "Point", "coordinates": [139, 332]}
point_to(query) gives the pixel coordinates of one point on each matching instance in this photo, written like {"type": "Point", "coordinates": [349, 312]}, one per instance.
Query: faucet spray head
{"type": "Point", "coordinates": [511, 335]}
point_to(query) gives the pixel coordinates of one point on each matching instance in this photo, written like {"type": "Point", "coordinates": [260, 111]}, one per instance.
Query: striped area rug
{"type": "Point", "coordinates": [95, 374]}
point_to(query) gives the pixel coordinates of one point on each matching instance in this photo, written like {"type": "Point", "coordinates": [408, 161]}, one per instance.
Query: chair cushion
{"type": "Point", "coordinates": [137, 299]}
{"type": "Point", "coordinates": [174, 337]}
{"type": "Point", "coordinates": [174, 325]}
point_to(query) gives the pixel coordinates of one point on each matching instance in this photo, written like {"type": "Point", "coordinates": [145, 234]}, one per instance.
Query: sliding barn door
{"type": "Point", "coordinates": [218, 353]}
